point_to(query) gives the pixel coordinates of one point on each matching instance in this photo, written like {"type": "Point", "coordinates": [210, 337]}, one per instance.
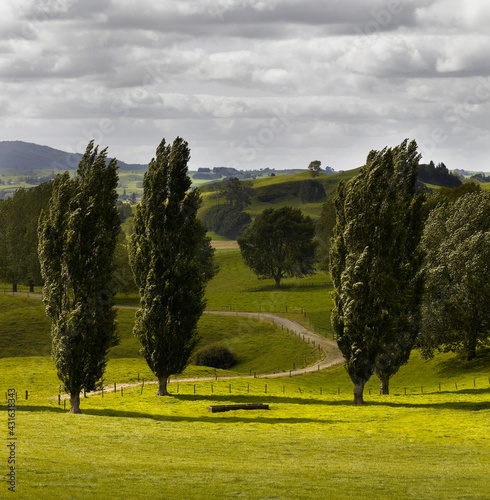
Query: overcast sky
{"type": "Point", "coordinates": [250, 83]}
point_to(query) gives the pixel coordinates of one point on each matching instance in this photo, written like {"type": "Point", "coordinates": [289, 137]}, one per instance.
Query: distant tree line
{"type": "Point", "coordinates": [19, 263]}
{"type": "Point", "coordinates": [438, 175]}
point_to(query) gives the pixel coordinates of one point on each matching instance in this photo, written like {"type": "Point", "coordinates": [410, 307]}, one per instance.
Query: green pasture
{"type": "Point", "coordinates": [236, 288]}
{"type": "Point", "coordinates": [311, 443]}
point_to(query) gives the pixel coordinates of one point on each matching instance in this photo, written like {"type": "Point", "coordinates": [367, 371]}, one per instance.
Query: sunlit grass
{"type": "Point", "coordinates": [307, 445]}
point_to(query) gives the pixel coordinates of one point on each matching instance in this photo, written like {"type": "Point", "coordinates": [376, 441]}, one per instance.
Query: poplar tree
{"type": "Point", "coordinates": [375, 265]}
{"type": "Point", "coordinates": [165, 258]}
{"type": "Point", "coordinates": [77, 238]}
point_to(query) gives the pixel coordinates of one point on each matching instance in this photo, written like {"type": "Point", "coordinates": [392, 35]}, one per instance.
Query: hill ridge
{"type": "Point", "coordinates": [27, 156]}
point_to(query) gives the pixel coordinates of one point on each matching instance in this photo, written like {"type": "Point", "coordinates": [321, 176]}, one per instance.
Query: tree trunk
{"type": "Point", "coordinates": [471, 349]}
{"type": "Point", "coordinates": [14, 287]}
{"type": "Point", "coordinates": [162, 386]}
{"type": "Point", "coordinates": [358, 393]}
{"type": "Point", "coordinates": [278, 282]}
{"type": "Point", "coordinates": [384, 384]}
{"type": "Point", "coordinates": [75, 402]}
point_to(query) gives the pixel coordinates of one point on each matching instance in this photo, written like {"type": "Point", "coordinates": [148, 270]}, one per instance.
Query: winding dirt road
{"type": "Point", "coordinates": [332, 355]}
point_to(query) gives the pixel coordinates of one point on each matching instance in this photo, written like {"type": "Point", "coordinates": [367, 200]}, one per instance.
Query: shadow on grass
{"type": "Point", "coordinates": [458, 365]}
{"type": "Point", "coordinates": [262, 416]}
{"type": "Point", "coordinates": [288, 287]}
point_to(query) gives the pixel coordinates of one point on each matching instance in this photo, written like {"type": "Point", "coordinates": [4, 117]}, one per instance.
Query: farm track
{"type": "Point", "coordinates": [332, 355]}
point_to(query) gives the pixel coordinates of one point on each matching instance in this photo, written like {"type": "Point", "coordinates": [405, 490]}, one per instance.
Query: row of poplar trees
{"type": "Point", "coordinates": [77, 239]}
{"type": "Point", "coordinates": [406, 273]}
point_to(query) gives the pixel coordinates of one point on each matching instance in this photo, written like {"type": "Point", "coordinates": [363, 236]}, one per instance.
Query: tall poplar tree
{"type": "Point", "coordinates": [165, 256]}
{"type": "Point", "coordinates": [375, 265]}
{"type": "Point", "coordinates": [77, 238]}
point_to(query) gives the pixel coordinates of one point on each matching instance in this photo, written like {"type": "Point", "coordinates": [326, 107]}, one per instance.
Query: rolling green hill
{"type": "Point", "coordinates": [283, 191]}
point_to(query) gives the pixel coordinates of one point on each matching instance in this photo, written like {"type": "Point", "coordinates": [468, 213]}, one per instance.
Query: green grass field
{"type": "Point", "coordinates": [312, 443]}
{"type": "Point", "coordinates": [307, 301]}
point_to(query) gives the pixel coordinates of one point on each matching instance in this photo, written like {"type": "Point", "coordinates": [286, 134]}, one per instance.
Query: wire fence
{"type": "Point", "coordinates": [258, 387]}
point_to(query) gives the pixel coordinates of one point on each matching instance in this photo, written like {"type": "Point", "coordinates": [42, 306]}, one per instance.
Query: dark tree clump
{"type": "Point", "coordinates": [311, 191]}
{"type": "Point", "coordinates": [440, 175]}
{"type": "Point", "coordinates": [279, 243]}
{"type": "Point", "coordinates": [238, 193]}
{"type": "Point", "coordinates": [226, 220]}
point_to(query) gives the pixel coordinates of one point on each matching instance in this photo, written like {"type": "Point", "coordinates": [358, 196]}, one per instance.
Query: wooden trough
{"type": "Point", "coordinates": [245, 406]}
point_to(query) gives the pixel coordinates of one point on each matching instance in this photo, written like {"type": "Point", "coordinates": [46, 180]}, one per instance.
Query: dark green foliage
{"type": "Point", "coordinates": [205, 259]}
{"type": "Point", "coordinates": [452, 194]}
{"type": "Point", "coordinates": [456, 306]}
{"type": "Point", "coordinates": [164, 257]}
{"type": "Point", "coordinates": [237, 193]}
{"type": "Point", "coordinates": [123, 281]}
{"type": "Point", "coordinates": [311, 191]}
{"type": "Point", "coordinates": [315, 167]}
{"type": "Point", "coordinates": [19, 262]}
{"type": "Point", "coordinates": [271, 197]}
{"type": "Point", "coordinates": [374, 264]}
{"type": "Point", "coordinates": [439, 175]}
{"type": "Point", "coordinates": [124, 210]}
{"type": "Point", "coordinates": [226, 220]}
{"type": "Point", "coordinates": [279, 243]}
{"type": "Point", "coordinates": [324, 233]}
{"type": "Point", "coordinates": [77, 240]}
{"type": "Point", "coordinates": [481, 177]}
{"type": "Point", "coordinates": [215, 356]}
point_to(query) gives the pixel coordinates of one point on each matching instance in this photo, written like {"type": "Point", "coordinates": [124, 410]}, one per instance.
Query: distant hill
{"type": "Point", "coordinates": [26, 156]}
{"type": "Point", "coordinates": [280, 191]}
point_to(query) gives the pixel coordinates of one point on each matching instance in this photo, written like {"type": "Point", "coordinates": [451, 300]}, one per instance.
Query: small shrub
{"type": "Point", "coordinates": [271, 197]}
{"type": "Point", "coordinates": [215, 356]}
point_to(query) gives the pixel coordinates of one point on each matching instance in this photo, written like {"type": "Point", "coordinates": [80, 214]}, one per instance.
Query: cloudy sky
{"type": "Point", "coordinates": [250, 83]}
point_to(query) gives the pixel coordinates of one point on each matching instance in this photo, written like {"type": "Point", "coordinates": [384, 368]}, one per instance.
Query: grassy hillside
{"type": "Point", "coordinates": [285, 190]}
{"type": "Point", "coordinates": [307, 300]}
{"type": "Point", "coordinates": [259, 346]}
